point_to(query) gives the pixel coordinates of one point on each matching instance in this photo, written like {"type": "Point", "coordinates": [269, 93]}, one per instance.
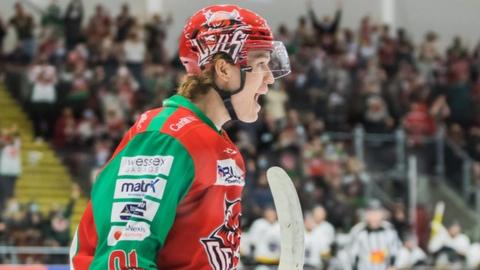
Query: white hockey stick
{"type": "Point", "coordinates": [290, 217]}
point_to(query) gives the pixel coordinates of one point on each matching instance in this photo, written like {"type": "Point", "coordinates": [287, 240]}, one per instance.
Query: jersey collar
{"type": "Point", "coordinates": [180, 101]}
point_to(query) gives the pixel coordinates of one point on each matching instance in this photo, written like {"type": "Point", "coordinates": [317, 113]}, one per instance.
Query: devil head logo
{"type": "Point", "coordinates": [219, 19]}
{"type": "Point", "coordinates": [222, 245]}
{"type": "Point", "coordinates": [232, 215]}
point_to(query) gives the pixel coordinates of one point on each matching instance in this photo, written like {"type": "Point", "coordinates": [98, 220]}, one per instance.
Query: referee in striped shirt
{"type": "Point", "coordinates": [374, 242]}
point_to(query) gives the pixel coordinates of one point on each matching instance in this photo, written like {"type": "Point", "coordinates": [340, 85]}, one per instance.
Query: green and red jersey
{"type": "Point", "coordinates": [169, 198]}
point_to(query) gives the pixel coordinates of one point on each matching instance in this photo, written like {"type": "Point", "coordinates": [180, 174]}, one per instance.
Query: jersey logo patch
{"type": "Point", "coordinates": [123, 211]}
{"type": "Point", "coordinates": [145, 165]}
{"type": "Point", "coordinates": [182, 122]}
{"type": "Point", "coordinates": [229, 174]}
{"type": "Point", "coordinates": [138, 188]}
{"type": "Point", "coordinates": [133, 231]}
{"type": "Point", "coordinates": [223, 244]}
{"type": "Point", "coordinates": [142, 120]}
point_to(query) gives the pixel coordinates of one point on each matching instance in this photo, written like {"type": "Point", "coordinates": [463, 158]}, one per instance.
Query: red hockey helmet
{"type": "Point", "coordinates": [234, 31]}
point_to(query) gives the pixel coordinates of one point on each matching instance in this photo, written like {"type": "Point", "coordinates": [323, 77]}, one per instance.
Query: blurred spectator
{"type": "Point", "coordinates": [72, 23]}
{"type": "Point", "coordinates": [10, 162]}
{"type": "Point", "coordinates": [418, 122]}
{"type": "Point", "coordinates": [388, 53]}
{"type": "Point", "coordinates": [3, 34]}
{"type": "Point", "coordinates": [367, 48]}
{"type": "Point", "coordinates": [115, 125]}
{"type": "Point", "coordinates": [474, 143]}
{"type": "Point", "coordinates": [399, 220]}
{"type": "Point", "coordinates": [405, 47]}
{"type": "Point", "coordinates": [459, 90]}
{"type": "Point", "coordinates": [24, 26]}
{"type": "Point", "coordinates": [410, 255]}
{"type": "Point", "coordinates": [276, 101]}
{"type": "Point", "coordinates": [261, 195]}
{"type": "Point", "coordinates": [124, 23]}
{"type": "Point", "coordinates": [98, 28]}
{"type": "Point", "coordinates": [43, 77]}
{"type": "Point", "coordinates": [326, 29]}
{"type": "Point", "coordinates": [126, 87]}
{"type": "Point", "coordinates": [449, 246]}
{"type": "Point", "coordinates": [457, 48]}
{"type": "Point", "coordinates": [65, 129]}
{"type": "Point", "coordinates": [3, 239]}
{"type": "Point", "coordinates": [301, 36]}
{"type": "Point", "coordinates": [86, 129]}
{"type": "Point", "coordinates": [102, 152]}
{"type": "Point", "coordinates": [134, 49]}
{"type": "Point", "coordinates": [51, 20]}
{"type": "Point", "coordinates": [156, 34]}
{"type": "Point", "coordinates": [429, 55]}
{"type": "Point", "coordinates": [377, 119]}
{"type": "Point", "coordinates": [356, 172]}
{"type": "Point", "coordinates": [79, 87]}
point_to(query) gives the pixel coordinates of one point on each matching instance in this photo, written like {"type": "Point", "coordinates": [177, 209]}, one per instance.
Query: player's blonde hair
{"type": "Point", "coordinates": [196, 85]}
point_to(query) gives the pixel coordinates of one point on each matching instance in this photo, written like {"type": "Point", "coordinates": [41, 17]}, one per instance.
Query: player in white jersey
{"type": "Point", "coordinates": [264, 237]}
{"type": "Point", "coordinates": [324, 232]}
{"type": "Point", "coordinates": [410, 255]}
{"type": "Point", "coordinates": [449, 246]}
{"type": "Point", "coordinates": [313, 247]}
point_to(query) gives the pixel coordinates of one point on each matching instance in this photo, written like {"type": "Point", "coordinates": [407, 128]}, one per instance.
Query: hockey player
{"type": "Point", "coordinates": [410, 255]}
{"type": "Point", "coordinates": [169, 198]}
{"type": "Point", "coordinates": [449, 246]}
{"type": "Point", "coordinates": [324, 232]}
{"type": "Point", "coordinates": [264, 238]}
{"type": "Point", "coordinates": [313, 246]}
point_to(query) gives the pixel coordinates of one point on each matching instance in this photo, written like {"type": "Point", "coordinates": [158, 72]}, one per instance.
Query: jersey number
{"type": "Point", "coordinates": [119, 256]}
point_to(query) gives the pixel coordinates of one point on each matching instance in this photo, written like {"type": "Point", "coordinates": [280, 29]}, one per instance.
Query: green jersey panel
{"type": "Point", "coordinates": [135, 212]}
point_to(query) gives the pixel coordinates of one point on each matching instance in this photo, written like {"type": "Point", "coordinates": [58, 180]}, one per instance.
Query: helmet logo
{"type": "Point", "coordinates": [229, 43]}
{"type": "Point", "coordinates": [221, 18]}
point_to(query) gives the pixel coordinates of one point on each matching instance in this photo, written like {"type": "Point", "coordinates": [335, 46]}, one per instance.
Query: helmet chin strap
{"type": "Point", "coordinates": [227, 95]}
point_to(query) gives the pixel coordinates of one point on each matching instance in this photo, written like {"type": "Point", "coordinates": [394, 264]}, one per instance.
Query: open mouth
{"type": "Point", "coordinates": [259, 99]}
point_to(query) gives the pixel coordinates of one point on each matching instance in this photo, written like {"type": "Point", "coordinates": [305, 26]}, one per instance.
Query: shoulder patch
{"type": "Point", "coordinates": [181, 122]}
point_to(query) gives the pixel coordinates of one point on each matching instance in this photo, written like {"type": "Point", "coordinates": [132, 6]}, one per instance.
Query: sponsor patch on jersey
{"type": "Point", "coordinates": [145, 165]}
{"type": "Point", "coordinates": [182, 122]}
{"type": "Point", "coordinates": [142, 120]}
{"type": "Point", "coordinates": [123, 211]}
{"type": "Point", "coordinates": [138, 188]}
{"type": "Point", "coordinates": [133, 231]}
{"type": "Point", "coordinates": [229, 174]}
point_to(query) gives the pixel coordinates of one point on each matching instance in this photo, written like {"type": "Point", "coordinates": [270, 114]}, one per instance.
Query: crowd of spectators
{"type": "Point", "coordinates": [84, 81]}
{"type": "Point", "coordinates": [26, 225]}
{"type": "Point", "coordinates": [10, 162]}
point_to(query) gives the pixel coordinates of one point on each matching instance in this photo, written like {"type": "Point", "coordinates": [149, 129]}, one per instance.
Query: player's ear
{"type": "Point", "coordinates": [223, 70]}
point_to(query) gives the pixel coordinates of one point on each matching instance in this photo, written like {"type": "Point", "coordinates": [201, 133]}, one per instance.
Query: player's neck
{"type": "Point", "coordinates": [212, 106]}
